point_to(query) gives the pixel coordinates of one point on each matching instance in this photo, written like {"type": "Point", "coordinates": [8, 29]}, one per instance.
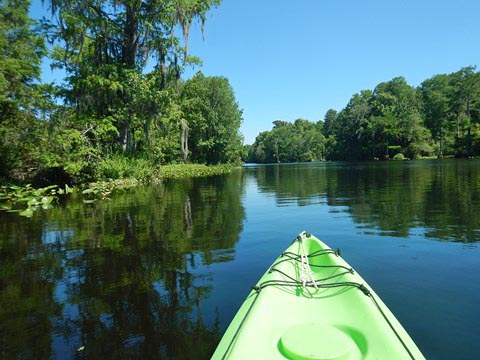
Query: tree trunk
{"type": "Point", "coordinates": [276, 153]}
{"type": "Point", "coordinates": [469, 133]}
{"type": "Point", "coordinates": [126, 137]}
{"type": "Point", "coordinates": [441, 142]}
{"type": "Point", "coordinates": [387, 157]}
{"type": "Point", "coordinates": [163, 68]}
{"type": "Point", "coordinates": [184, 138]}
{"type": "Point", "coordinates": [146, 130]}
{"type": "Point", "coordinates": [130, 45]}
{"type": "Point", "coordinates": [457, 136]}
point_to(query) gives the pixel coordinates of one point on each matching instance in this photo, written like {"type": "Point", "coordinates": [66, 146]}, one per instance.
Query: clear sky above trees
{"type": "Point", "coordinates": [289, 59]}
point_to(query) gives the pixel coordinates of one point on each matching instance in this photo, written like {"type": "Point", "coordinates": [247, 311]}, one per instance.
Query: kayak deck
{"type": "Point", "coordinates": [311, 304]}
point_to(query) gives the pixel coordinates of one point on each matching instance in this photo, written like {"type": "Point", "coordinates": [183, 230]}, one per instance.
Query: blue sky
{"type": "Point", "coordinates": [291, 59]}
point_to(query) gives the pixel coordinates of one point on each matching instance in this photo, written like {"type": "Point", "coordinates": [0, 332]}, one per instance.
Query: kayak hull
{"type": "Point", "coordinates": [321, 311]}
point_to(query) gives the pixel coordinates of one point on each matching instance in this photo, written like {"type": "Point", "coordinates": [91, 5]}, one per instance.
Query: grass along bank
{"type": "Point", "coordinates": [138, 174]}
{"type": "Point", "coordinates": [142, 170]}
{"type": "Point", "coordinates": [113, 175]}
{"type": "Point", "coordinates": [179, 171]}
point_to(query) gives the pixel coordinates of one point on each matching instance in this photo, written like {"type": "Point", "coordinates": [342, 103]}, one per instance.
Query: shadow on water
{"type": "Point", "coordinates": [388, 198]}
{"type": "Point", "coordinates": [120, 278]}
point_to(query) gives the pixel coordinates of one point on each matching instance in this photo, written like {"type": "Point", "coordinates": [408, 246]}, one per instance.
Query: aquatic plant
{"type": "Point", "coordinates": [180, 171]}
{"type": "Point", "coordinates": [24, 200]}
{"type": "Point", "coordinates": [399, 156]}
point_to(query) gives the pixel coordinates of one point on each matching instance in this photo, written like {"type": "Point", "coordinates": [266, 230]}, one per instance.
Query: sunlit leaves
{"type": "Point", "coordinates": [301, 141]}
{"type": "Point", "coordinates": [24, 200]}
{"type": "Point", "coordinates": [213, 117]}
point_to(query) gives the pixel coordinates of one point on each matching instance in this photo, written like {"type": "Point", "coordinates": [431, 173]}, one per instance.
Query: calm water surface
{"type": "Point", "coordinates": [159, 271]}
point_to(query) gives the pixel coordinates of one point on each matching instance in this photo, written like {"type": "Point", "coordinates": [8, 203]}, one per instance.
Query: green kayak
{"type": "Point", "coordinates": [311, 304]}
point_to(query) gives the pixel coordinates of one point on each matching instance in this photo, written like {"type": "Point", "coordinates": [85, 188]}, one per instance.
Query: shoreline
{"type": "Point", "coordinates": [25, 199]}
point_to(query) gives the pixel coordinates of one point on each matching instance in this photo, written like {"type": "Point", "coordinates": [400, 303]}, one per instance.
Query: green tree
{"type": "Point", "coordinates": [20, 59]}
{"type": "Point", "coordinates": [105, 45]}
{"type": "Point", "coordinates": [435, 94]}
{"type": "Point", "coordinates": [330, 122]}
{"type": "Point", "coordinates": [451, 107]}
{"type": "Point", "coordinates": [441, 116]}
{"type": "Point", "coordinates": [257, 152]}
{"type": "Point", "coordinates": [21, 133]}
{"type": "Point", "coordinates": [396, 114]}
{"type": "Point", "coordinates": [289, 142]}
{"type": "Point", "coordinates": [213, 118]}
{"type": "Point", "coordinates": [465, 107]}
{"type": "Point", "coordinates": [348, 134]}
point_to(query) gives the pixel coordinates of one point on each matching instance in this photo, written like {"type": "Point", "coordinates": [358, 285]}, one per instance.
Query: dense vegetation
{"type": "Point", "coordinates": [109, 116]}
{"type": "Point", "coordinates": [441, 117]}
{"type": "Point", "coordinates": [123, 109]}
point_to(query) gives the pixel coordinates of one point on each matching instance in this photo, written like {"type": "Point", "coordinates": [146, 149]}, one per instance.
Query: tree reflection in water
{"type": "Point", "coordinates": [140, 275]}
{"type": "Point", "coordinates": [392, 198]}
{"type": "Point", "coordinates": [121, 278]}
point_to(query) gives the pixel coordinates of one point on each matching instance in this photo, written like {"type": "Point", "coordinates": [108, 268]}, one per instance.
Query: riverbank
{"type": "Point", "coordinates": [166, 172]}
{"type": "Point", "coordinates": [25, 199]}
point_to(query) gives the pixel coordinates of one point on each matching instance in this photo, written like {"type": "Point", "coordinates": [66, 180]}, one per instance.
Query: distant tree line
{"type": "Point", "coordinates": [441, 117]}
{"type": "Point", "coordinates": [109, 107]}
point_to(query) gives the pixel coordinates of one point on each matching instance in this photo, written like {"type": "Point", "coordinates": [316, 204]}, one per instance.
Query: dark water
{"type": "Point", "coordinates": [159, 271]}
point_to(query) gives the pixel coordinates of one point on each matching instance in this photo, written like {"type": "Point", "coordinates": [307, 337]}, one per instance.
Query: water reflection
{"type": "Point", "coordinates": [153, 272]}
{"type": "Point", "coordinates": [27, 285]}
{"type": "Point", "coordinates": [391, 198]}
{"type": "Point", "coordinates": [121, 278]}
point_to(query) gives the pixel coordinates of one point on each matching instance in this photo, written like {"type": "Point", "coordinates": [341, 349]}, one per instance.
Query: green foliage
{"type": "Point", "coordinates": [245, 151]}
{"type": "Point", "coordinates": [104, 189]}
{"type": "Point", "coordinates": [110, 119]}
{"type": "Point", "coordinates": [129, 172]}
{"type": "Point", "coordinates": [181, 171]}
{"type": "Point", "coordinates": [441, 117]}
{"type": "Point", "coordinates": [289, 142]}
{"type": "Point", "coordinates": [116, 121]}
{"type": "Point", "coordinates": [20, 58]}
{"type": "Point", "coordinates": [451, 107]}
{"type": "Point", "coordinates": [353, 128]}
{"type": "Point", "coordinates": [25, 199]}
{"type": "Point", "coordinates": [121, 167]}
{"type": "Point", "coordinates": [213, 119]}
{"type": "Point", "coordinates": [23, 139]}
{"type": "Point", "coordinates": [104, 47]}
{"type": "Point", "coordinates": [21, 134]}
{"type": "Point", "coordinates": [399, 156]}
{"type": "Point", "coordinates": [330, 123]}
{"type": "Point", "coordinates": [115, 173]}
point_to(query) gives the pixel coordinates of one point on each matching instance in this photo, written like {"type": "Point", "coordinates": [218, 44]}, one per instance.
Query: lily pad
{"type": "Point", "coordinates": [89, 191]}
{"type": "Point", "coordinates": [47, 200]}
{"type": "Point", "coordinates": [27, 213]}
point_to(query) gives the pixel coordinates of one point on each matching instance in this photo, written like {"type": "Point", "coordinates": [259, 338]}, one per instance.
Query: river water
{"type": "Point", "coordinates": [159, 271]}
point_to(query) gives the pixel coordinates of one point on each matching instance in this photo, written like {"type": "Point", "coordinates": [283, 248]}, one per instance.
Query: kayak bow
{"type": "Point", "coordinates": [311, 304]}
